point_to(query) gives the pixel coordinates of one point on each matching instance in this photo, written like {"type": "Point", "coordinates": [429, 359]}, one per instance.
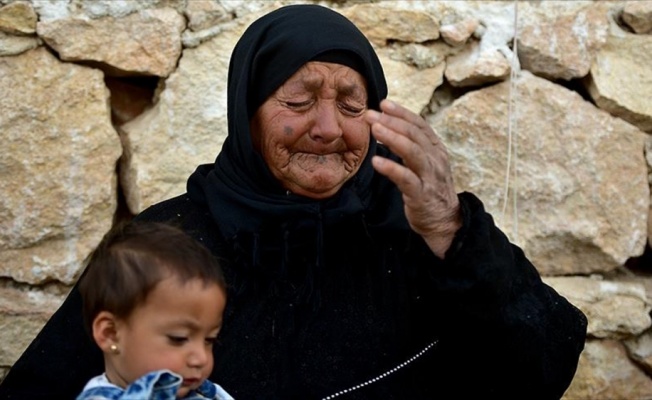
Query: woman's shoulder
{"type": "Point", "coordinates": [183, 212]}
{"type": "Point", "coordinates": [174, 209]}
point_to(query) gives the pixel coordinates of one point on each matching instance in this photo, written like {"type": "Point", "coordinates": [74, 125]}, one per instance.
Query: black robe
{"type": "Point", "coordinates": [338, 298]}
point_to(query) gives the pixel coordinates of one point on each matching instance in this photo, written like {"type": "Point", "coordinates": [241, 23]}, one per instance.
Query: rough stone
{"type": "Point", "coordinates": [414, 92]}
{"type": "Point", "coordinates": [57, 172]}
{"type": "Point", "coordinates": [615, 310]}
{"type": "Point", "coordinates": [456, 34]}
{"type": "Point", "coordinates": [144, 43]}
{"type": "Point", "coordinates": [22, 315]}
{"type": "Point", "coordinates": [18, 18]}
{"type": "Point", "coordinates": [624, 94]}
{"type": "Point", "coordinates": [568, 218]}
{"type": "Point", "coordinates": [640, 350]}
{"type": "Point", "coordinates": [638, 16]}
{"type": "Point", "coordinates": [11, 45]}
{"type": "Point", "coordinates": [476, 66]}
{"type": "Point", "coordinates": [185, 128]}
{"type": "Point", "coordinates": [382, 24]}
{"type": "Point", "coordinates": [558, 40]}
{"type": "Point", "coordinates": [203, 14]}
{"type": "Point", "coordinates": [606, 372]}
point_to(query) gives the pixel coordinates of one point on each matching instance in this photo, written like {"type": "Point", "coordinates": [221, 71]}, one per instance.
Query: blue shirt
{"type": "Point", "coordinates": [157, 385]}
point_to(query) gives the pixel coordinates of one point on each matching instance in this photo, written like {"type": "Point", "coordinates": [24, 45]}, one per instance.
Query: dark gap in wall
{"type": "Point", "coordinates": [618, 18]}
{"type": "Point", "coordinates": [122, 212]}
{"type": "Point", "coordinates": [50, 50]}
{"type": "Point", "coordinates": [52, 287]}
{"type": "Point", "coordinates": [444, 95]}
{"type": "Point", "coordinates": [576, 85]}
{"type": "Point", "coordinates": [643, 263]}
{"type": "Point", "coordinates": [130, 97]}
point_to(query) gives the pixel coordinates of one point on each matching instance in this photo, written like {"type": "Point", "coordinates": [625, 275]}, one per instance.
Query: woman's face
{"type": "Point", "coordinates": [311, 133]}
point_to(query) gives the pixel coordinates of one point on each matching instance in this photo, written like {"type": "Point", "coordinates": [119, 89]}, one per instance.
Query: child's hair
{"type": "Point", "coordinates": [133, 258]}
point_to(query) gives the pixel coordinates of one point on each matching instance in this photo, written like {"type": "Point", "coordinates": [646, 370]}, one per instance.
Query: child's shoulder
{"type": "Point", "coordinates": [99, 388]}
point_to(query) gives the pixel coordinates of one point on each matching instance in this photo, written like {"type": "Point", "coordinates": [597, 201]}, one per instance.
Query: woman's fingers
{"type": "Point", "coordinates": [399, 142]}
{"type": "Point", "coordinates": [410, 137]}
{"type": "Point", "coordinates": [404, 122]}
{"type": "Point", "coordinates": [397, 110]}
{"type": "Point", "coordinates": [424, 177]}
{"type": "Point", "coordinates": [405, 179]}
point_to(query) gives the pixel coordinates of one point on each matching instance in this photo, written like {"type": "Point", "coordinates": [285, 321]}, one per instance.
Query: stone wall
{"type": "Point", "coordinates": [546, 107]}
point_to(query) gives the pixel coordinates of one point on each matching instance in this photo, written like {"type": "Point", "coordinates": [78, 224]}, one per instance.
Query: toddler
{"type": "Point", "coordinates": [153, 301]}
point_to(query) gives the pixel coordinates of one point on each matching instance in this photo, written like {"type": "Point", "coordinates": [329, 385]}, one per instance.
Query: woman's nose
{"type": "Point", "coordinates": [326, 126]}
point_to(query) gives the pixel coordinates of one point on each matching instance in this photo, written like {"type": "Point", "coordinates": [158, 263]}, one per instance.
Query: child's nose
{"type": "Point", "coordinates": [199, 355]}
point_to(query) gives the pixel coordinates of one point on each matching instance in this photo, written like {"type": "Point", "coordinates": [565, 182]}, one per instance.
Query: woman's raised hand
{"type": "Point", "coordinates": [425, 177]}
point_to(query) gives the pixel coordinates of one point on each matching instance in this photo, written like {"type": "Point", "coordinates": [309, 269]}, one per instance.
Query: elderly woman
{"type": "Point", "coordinates": [355, 269]}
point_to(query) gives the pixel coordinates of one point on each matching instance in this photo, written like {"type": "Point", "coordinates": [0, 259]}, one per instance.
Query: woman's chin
{"type": "Point", "coordinates": [316, 187]}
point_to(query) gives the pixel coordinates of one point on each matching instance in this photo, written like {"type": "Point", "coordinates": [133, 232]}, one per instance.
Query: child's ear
{"type": "Point", "coordinates": [105, 331]}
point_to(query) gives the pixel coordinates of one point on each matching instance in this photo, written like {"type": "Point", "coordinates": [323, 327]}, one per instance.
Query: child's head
{"type": "Point", "coordinates": [153, 299]}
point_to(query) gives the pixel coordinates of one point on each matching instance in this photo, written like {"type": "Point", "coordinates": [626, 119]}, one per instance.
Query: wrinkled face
{"type": "Point", "coordinates": [311, 132]}
{"type": "Point", "coordinates": [174, 329]}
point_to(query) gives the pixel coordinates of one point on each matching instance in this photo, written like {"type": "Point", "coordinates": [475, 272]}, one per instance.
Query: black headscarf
{"type": "Point", "coordinates": [239, 189]}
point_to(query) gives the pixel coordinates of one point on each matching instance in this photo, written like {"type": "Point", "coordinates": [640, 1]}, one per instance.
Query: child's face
{"type": "Point", "coordinates": [174, 329]}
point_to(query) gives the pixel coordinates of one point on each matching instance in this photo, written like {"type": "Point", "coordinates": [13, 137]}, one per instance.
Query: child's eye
{"type": "Point", "coordinates": [211, 340]}
{"type": "Point", "coordinates": [178, 340]}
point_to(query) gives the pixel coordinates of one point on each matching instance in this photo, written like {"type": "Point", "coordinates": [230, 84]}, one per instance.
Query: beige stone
{"type": "Point", "coordinates": [605, 372]}
{"type": "Point", "coordinates": [421, 56]}
{"type": "Point", "coordinates": [640, 350]}
{"type": "Point", "coordinates": [561, 44]}
{"type": "Point", "coordinates": [621, 78]}
{"type": "Point", "coordinates": [118, 9]}
{"type": "Point", "coordinates": [410, 86]}
{"type": "Point", "coordinates": [185, 128]}
{"type": "Point", "coordinates": [18, 18]}
{"type": "Point", "coordinates": [638, 16]}
{"type": "Point", "coordinates": [11, 45]}
{"type": "Point", "coordinates": [3, 372]}
{"type": "Point", "coordinates": [615, 310]}
{"type": "Point", "coordinates": [382, 24]}
{"type": "Point", "coordinates": [147, 42]}
{"type": "Point", "coordinates": [57, 171]}
{"type": "Point", "coordinates": [456, 34]}
{"type": "Point", "coordinates": [476, 66]}
{"type": "Point", "coordinates": [22, 314]}
{"type": "Point", "coordinates": [203, 14]}
{"type": "Point", "coordinates": [579, 179]}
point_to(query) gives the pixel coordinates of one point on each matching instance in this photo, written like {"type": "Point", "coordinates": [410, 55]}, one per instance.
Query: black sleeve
{"type": "Point", "coordinates": [506, 332]}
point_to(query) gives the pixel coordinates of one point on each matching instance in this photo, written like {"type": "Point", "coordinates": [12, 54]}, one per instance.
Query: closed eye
{"type": "Point", "coordinates": [298, 104]}
{"type": "Point", "coordinates": [177, 340]}
{"type": "Point", "coordinates": [351, 110]}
